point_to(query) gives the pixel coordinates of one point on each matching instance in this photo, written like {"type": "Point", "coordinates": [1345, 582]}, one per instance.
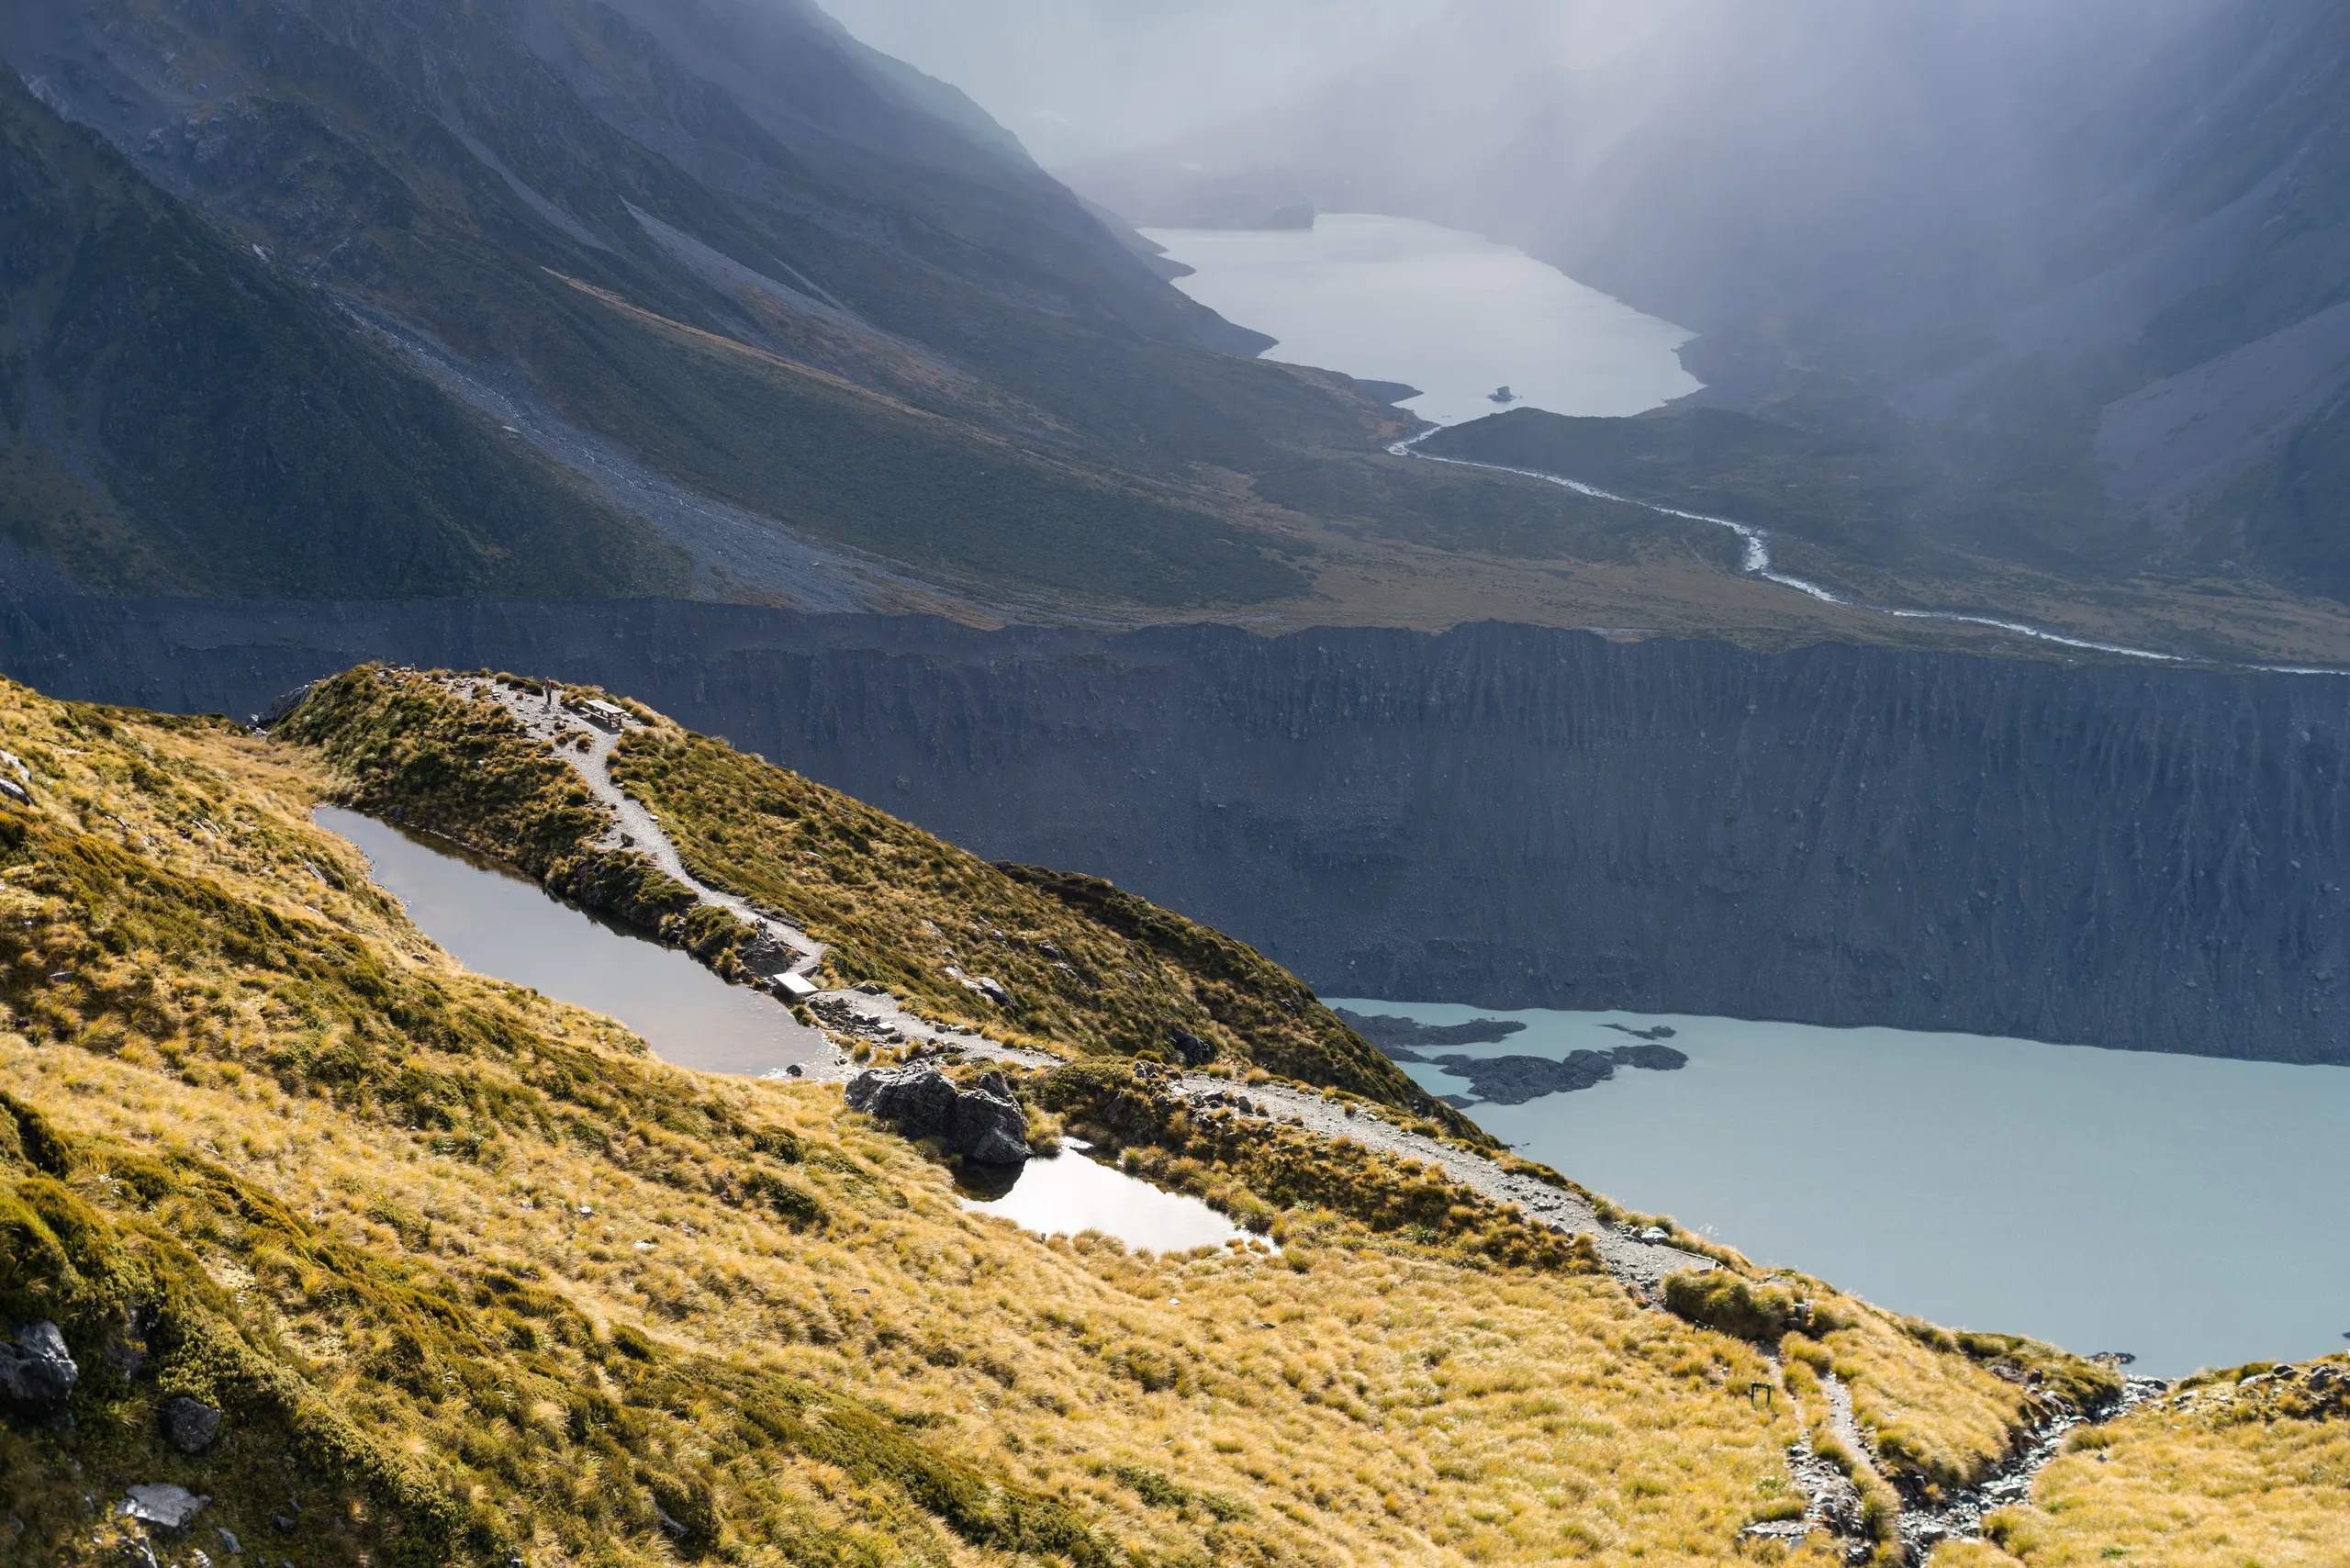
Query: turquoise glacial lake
{"type": "Point", "coordinates": [1453, 314]}
{"type": "Point", "coordinates": [2191, 1211]}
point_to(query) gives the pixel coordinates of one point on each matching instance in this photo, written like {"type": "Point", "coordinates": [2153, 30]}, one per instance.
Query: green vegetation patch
{"type": "Point", "coordinates": [414, 752]}
{"type": "Point", "coordinates": [1086, 966]}
{"type": "Point", "coordinates": [530, 1422]}
{"type": "Point", "coordinates": [1764, 1313]}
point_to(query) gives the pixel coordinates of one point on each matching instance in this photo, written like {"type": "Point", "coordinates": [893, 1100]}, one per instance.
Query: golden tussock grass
{"type": "Point", "coordinates": [472, 1274]}
{"type": "Point", "coordinates": [253, 1067]}
{"type": "Point", "coordinates": [2223, 1474]}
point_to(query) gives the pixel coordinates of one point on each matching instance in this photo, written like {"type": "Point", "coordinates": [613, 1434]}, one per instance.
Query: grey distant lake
{"type": "Point", "coordinates": [1453, 314]}
{"type": "Point", "coordinates": [2187, 1209]}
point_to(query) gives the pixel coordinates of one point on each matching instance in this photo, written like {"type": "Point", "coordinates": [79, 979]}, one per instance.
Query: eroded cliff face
{"type": "Point", "coordinates": [1502, 815]}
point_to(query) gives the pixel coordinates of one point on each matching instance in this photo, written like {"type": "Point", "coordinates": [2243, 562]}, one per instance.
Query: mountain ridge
{"type": "Point", "coordinates": [444, 169]}
{"type": "Point", "coordinates": [1395, 814]}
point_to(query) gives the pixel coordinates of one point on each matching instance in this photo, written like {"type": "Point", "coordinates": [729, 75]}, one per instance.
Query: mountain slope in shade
{"type": "Point", "coordinates": [793, 276]}
{"type": "Point", "coordinates": [180, 413]}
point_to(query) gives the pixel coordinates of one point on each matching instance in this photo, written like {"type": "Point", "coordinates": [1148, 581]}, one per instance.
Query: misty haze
{"type": "Point", "coordinates": [1473, 326]}
{"type": "Point", "coordinates": [1173, 782]}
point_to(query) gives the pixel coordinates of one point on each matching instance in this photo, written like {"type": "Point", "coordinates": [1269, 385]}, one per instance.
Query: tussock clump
{"type": "Point", "coordinates": [1747, 1308]}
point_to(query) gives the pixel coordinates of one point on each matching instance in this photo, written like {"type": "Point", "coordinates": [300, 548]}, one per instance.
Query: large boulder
{"type": "Point", "coordinates": [984, 1125]}
{"type": "Point", "coordinates": [37, 1372]}
{"type": "Point", "coordinates": [189, 1425]}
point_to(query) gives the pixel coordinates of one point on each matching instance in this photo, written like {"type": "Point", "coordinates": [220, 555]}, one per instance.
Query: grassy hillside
{"type": "Point", "coordinates": [386, 1214]}
{"type": "Point", "coordinates": [471, 1276]}
{"type": "Point", "coordinates": [2247, 1465]}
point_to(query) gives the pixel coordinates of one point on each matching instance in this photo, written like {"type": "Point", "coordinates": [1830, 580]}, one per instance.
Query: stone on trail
{"type": "Point", "coordinates": [162, 1505]}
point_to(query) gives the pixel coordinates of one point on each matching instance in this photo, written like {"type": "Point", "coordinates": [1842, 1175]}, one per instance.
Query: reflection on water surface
{"type": "Point", "coordinates": [1070, 1193]}
{"type": "Point", "coordinates": [495, 922]}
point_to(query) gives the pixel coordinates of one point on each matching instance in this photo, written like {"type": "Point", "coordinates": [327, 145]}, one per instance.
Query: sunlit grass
{"type": "Point", "coordinates": [243, 1015]}
{"type": "Point", "coordinates": [2224, 1475]}
{"type": "Point", "coordinates": [562, 1285]}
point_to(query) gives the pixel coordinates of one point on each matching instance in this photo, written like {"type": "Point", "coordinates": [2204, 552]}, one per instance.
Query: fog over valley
{"type": "Point", "coordinates": [1076, 79]}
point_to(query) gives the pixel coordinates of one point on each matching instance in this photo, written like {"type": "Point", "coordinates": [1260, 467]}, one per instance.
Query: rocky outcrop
{"type": "Point", "coordinates": [1403, 1037]}
{"type": "Point", "coordinates": [36, 1371]}
{"type": "Point", "coordinates": [983, 1125]}
{"type": "Point", "coordinates": [2094, 854]}
{"type": "Point", "coordinates": [1513, 1081]}
{"type": "Point", "coordinates": [189, 1425]}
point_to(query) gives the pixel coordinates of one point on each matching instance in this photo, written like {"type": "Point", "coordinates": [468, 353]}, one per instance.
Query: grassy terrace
{"type": "Point", "coordinates": [471, 1275]}
{"type": "Point", "coordinates": [1087, 966]}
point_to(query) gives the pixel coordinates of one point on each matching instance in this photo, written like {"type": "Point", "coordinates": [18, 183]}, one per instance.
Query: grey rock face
{"type": "Point", "coordinates": [1194, 1051]}
{"type": "Point", "coordinates": [284, 702]}
{"type": "Point", "coordinates": [162, 1505]}
{"type": "Point", "coordinates": [37, 1373]}
{"type": "Point", "coordinates": [766, 956]}
{"type": "Point", "coordinates": [983, 1125]}
{"type": "Point", "coordinates": [189, 1425]}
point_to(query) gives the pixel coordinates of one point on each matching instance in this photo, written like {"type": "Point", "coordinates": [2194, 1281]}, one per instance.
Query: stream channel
{"type": "Point", "coordinates": [2185, 1209]}
{"type": "Point", "coordinates": [1462, 319]}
